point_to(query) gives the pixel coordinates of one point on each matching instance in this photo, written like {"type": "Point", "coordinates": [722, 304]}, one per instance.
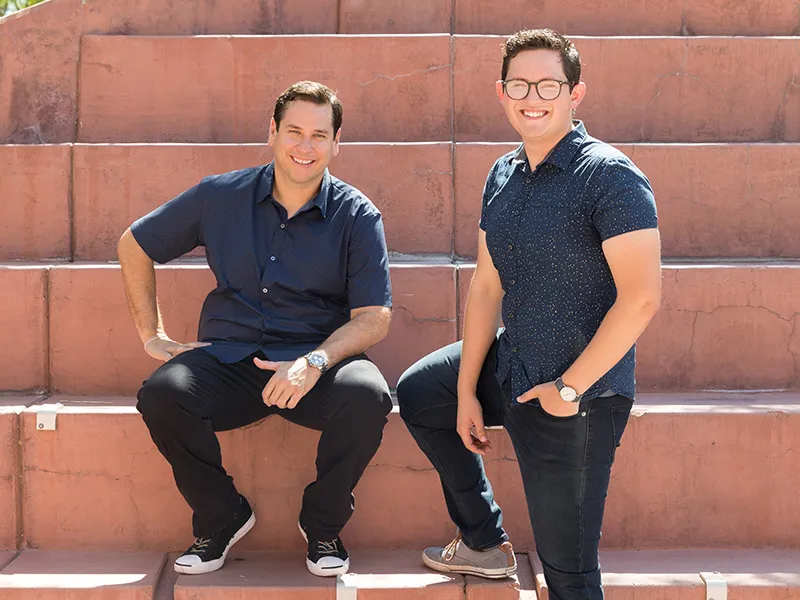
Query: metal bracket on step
{"type": "Point", "coordinates": [346, 588]}
{"type": "Point", "coordinates": [46, 417]}
{"type": "Point", "coordinates": [716, 586]}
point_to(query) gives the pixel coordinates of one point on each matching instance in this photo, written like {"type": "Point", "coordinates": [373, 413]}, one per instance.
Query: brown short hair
{"type": "Point", "coordinates": [309, 91]}
{"type": "Point", "coordinates": [544, 39]}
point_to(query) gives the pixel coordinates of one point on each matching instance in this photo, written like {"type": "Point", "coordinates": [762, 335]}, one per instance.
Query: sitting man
{"type": "Point", "coordinates": [302, 292]}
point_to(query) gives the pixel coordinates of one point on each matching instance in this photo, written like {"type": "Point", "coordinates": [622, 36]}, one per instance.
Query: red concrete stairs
{"type": "Point", "coordinates": [109, 108]}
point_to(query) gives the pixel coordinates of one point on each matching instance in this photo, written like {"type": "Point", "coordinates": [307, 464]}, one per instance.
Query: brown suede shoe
{"type": "Point", "coordinates": [457, 557]}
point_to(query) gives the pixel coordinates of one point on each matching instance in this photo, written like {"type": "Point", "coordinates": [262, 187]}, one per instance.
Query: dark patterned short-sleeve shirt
{"type": "Point", "coordinates": [544, 231]}
{"type": "Point", "coordinates": [283, 285]}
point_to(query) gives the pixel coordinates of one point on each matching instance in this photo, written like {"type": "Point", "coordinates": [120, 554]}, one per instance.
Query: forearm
{"type": "Point", "coordinates": [619, 330]}
{"type": "Point", "coordinates": [481, 320]}
{"type": "Point", "coordinates": [139, 279]}
{"type": "Point", "coordinates": [357, 335]}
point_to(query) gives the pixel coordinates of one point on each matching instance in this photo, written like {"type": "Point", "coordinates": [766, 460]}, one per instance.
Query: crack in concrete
{"type": "Point", "coordinates": [779, 127]}
{"type": "Point", "coordinates": [679, 73]}
{"type": "Point", "coordinates": [75, 473]}
{"type": "Point", "coordinates": [404, 75]}
{"type": "Point", "coordinates": [425, 319]}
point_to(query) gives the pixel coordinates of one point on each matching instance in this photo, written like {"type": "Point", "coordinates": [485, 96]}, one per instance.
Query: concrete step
{"type": "Point", "coordinates": [35, 181]}
{"type": "Point", "coordinates": [394, 88]}
{"type": "Point", "coordinates": [723, 325]}
{"type": "Point", "coordinates": [97, 482]}
{"type": "Point", "coordinates": [676, 575]}
{"type": "Point", "coordinates": [398, 88]}
{"type": "Point", "coordinates": [377, 575]}
{"type": "Point", "coordinates": [113, 185]}
{"type": "Point", "coordinates": [618, 17]}
{"type": "Point", "coordinates": [715, 200]}
{"type": "Point", "coordinates": [652, 89]}
{"type": "Point", "coordinates": [74, 575]}
{"type": "Point", "coordinates": [10, 473]}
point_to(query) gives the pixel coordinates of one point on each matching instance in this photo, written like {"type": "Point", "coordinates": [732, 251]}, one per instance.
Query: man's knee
{"type": "Point", "coordinates": [162, 392]}
{"type": "Point", "coordinates": [367, 400]}
{"type": "Point", "coordinates": [413, 391]}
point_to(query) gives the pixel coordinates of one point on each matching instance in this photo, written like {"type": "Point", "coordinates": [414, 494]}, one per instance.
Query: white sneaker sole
{"type": "Point", "coordinates": [213, 565]}
{"type": "Point", "coordinates": [467, 570]}
{"type": "Point", "coordinates": [315, 569]}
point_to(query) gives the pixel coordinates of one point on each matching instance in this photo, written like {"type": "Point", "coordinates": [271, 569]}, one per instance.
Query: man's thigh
{"type": "Point", "coordinates": [354, 385]}
{"type": "Point", "coordinates": [228, 395]}
{"type": "Point", "coordinates": [430, 389]}
{"type": "Point", "coordinates": [565, 465]}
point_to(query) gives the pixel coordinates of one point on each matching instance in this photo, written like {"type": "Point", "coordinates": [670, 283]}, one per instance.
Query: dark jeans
{"type": "Point", "coordinates": [189, 398]}
{"type": "Point", "coordinates": [565, 464]}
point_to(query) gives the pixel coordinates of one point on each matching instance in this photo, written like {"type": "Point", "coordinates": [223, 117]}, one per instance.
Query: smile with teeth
{"type": "Point", "coordinates": [302, 162]}
{"type": "Point", "coordinates": [534, 114]}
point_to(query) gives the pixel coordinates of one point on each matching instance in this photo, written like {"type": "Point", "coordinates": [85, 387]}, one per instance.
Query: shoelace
{"type": "Point", "coordinates": [200, 544]}
{"type": "Point", "coordinates": [450, 549]}
{"type": "Point", "coordinates": [328, 548]}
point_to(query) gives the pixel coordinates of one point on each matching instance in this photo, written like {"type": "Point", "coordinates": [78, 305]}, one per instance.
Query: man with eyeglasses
{"type": "Point", "coordinates": [569, 257]}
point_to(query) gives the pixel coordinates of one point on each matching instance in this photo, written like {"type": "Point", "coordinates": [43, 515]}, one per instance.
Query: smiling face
{"type": "Point", "coordinates": [540, 122]}
{"type": "Point", "coordinates": [304, 143]}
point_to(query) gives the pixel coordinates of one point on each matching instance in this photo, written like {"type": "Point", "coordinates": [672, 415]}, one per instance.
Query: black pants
{"type": "Point", "coordinates": [565, 464]}
{"type": "Point", "coordinates": [186, 400]}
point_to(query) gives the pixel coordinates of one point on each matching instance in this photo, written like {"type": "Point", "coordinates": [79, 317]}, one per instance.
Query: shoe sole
{"type": "Point", "coordinates": [467, 570]}
{"type": "Point", "coordinates": [213, 565]}
{"type": "Point", "coordinates": [319, 571]}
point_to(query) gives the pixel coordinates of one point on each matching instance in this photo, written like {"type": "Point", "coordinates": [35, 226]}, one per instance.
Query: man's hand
{"type": "Point", "coordinates": [291, 381]}
{"type": "Point", "coordinates": [161, 347]}
{"type": "Point", "coordinates": [550, 400]}
{"type": "Point", "coordinates": [470, 424]}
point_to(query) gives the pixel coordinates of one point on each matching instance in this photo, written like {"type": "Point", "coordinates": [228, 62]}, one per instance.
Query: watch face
{"type": "Point", "coordinates": [568, 394]}
{"type": "Point", "coordinates": [316, 360]}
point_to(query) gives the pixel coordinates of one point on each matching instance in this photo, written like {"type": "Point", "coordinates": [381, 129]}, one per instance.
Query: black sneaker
{"type": "Point", "coordinates": [326, 559]}
{"type": "Point", "coordinates": [208, 554]}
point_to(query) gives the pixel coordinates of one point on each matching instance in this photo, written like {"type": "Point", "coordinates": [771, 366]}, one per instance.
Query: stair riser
{"type": "Point", "coordinates": [97, 482]}
{"type": "Point", "coordinates": [399, 89]}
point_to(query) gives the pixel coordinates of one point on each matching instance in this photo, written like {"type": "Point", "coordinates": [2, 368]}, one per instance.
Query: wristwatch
{"type": "Point", "coordinates": [318, 360]}
{"type": "Point", "coordinates": [568, 394]}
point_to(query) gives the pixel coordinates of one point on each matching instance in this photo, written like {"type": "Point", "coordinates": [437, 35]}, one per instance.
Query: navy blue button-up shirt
{"type": "Point", "coordinates": [544, 231]}
{"type": "Point", "coordinates": [283, 285]}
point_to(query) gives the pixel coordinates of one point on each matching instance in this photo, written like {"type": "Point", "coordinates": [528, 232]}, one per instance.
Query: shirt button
{"type": "Point", "coordinates": [513, 282]}
{"type": "Point", "coordinates": [511, 246]}
{"type": "Point", "coordinates": [265, 290]}
{"type": "Point", "coordinates": [272, 258]}
{"type": "Point", "coordinates": [283, 225]}
{"type": "Point", "coordinates": [511, 315]}
{"type": "Point", "coordinates": [528, 179]}
{"type": "Point", "coordinates": [516, 349]}
{"type": "Point", "coordinates": [516, 213]}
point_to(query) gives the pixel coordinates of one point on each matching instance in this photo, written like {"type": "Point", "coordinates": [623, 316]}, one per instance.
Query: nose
{"type": "Point", "coordinates": [305, 144]}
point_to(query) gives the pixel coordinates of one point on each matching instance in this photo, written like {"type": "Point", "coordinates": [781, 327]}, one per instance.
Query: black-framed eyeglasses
{"type": "Point", "coordinates": [547, 89]}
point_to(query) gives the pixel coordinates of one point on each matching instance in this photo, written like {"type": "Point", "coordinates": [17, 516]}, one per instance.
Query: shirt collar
{"type": "Point", "coordinates": [264, 189]}
{"type": "Point", "coordinates": [562, 153]}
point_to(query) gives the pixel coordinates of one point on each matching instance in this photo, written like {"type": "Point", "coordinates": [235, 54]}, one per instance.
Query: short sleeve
{"type": "Point", "coordinates": [489, 189]}
{"type": "Point", "coordinates": [626, 202]}
{"type": "Point", "coordinates": [172, 229]}
{"type": "Point", "coordinates": [368, 282]}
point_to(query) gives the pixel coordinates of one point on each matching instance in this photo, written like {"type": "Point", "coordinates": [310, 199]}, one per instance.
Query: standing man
{"type": "Point", "coordinates": [569, 257]}
{"type": "Point", "coordinates": [302, 292]}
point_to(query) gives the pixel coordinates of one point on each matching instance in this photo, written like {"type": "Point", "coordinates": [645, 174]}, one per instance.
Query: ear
{"type": "Point", "coordinates": [578, 94]}
{"type": "Point", "coordinates": [498, 86]}
{"type": "Point", "coordinates": [273, 130]}
{"type": "Point", "coordinates": [336, 140]}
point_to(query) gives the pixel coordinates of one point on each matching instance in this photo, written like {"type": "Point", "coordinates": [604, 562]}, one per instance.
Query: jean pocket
{"type": "Point", "coordinates": [581, 413]}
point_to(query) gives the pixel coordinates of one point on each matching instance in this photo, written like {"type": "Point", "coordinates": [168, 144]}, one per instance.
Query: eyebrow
{"type": "Point", "coordinates": [293, 126]}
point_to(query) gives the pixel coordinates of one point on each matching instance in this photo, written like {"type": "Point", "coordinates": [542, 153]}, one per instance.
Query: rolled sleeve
{"type": "Point", "coordinates": [172, 229]}
{"type": "Point", "coordinates": [626, 202]}
{"type": "Point", "coordinates": [368, 282]}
